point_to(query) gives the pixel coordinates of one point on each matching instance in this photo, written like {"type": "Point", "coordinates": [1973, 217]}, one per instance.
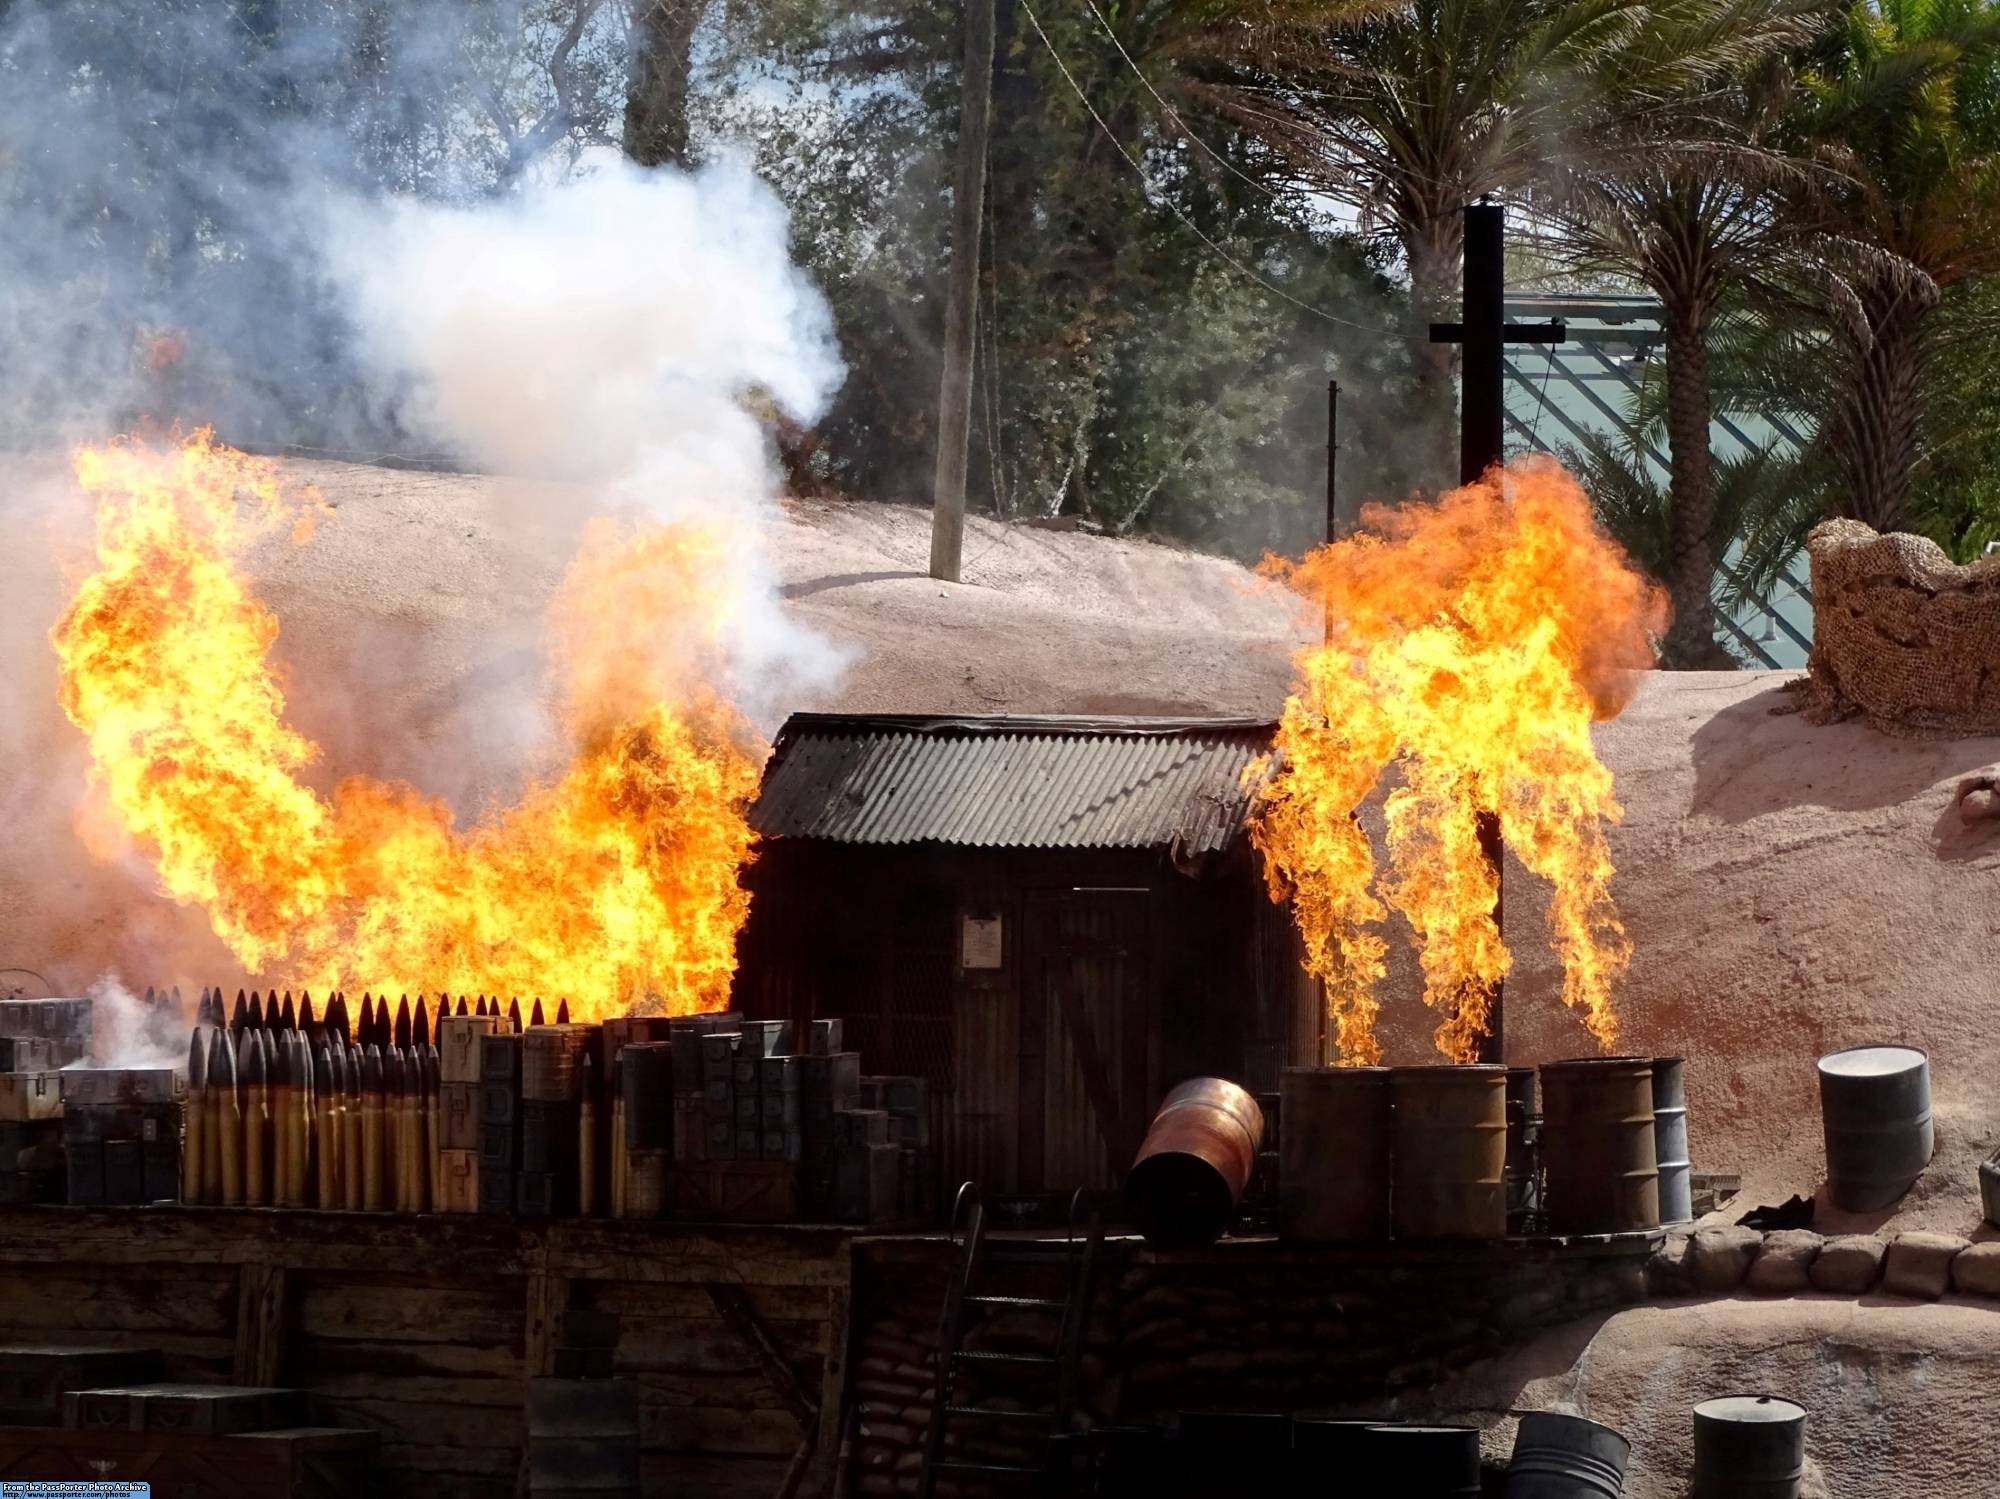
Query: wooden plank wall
{"type": "Point", "coordinates": [424, 1329]}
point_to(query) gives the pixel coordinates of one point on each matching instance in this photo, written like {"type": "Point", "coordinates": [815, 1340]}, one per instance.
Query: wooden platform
{"type": "Point", "coordinates": [423, 1328]}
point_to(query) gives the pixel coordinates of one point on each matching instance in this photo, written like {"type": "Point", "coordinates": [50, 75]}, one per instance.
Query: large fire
{"type": "Point", "coordinates": [1470, 643]}
{"type": "Point", "coordinates": [614, 883]}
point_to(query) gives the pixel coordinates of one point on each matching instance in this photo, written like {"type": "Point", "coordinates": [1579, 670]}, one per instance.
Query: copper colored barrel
{"type": "Point", "coordinates": [1333, 1154]}
{"type": "Point", "coordinates": [1450, 1152]}
{"type": "Point", "coordinates": [1600, 1174]}
{"type": "Point", "coordinates": [1195, 1161]}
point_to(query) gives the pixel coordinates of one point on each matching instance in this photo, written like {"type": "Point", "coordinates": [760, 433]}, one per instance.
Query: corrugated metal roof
{"type": "Point", "coordinates": [1011, 782]}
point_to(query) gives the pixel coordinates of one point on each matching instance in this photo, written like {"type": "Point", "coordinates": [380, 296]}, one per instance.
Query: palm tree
{"type": "Point", "coordinates": [1900, 99]}
{"type": "Point", "coordinates": [1683, 197]}
{"type": "Point", "coordinates": [1405, 112]}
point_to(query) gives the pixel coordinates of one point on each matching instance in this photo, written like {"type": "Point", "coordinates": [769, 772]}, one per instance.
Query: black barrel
{"type": "Point", "coordinates": [1221, 1450]}
{"type": "Point", "coordinates": [1566, 1457]}
{"type": "Point", "coordinates": [1749, 1447]}
{"type": "Point", "coordinates": [1428, 1462]}
{"type": "Point", "coordinates": [1875, 1106]}
{"type": "Point", "coordinates": [1524, 1195]}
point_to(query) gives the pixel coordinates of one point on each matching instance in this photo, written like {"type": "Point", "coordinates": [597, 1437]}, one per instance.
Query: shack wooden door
{"type": "Point", "coordinates": [1087, 1016]}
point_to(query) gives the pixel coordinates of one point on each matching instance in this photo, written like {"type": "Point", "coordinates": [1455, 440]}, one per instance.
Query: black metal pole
{"type": "Point", "coordinates": [1333, 526]}
{"type": "Point", "coordinates": [1482, 398]}
{"type": "Point", "coordinates": [1482, 416]}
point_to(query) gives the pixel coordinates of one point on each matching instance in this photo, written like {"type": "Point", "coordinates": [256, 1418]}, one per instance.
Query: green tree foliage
{"type": "Point", "coordinates": [1160, 308]}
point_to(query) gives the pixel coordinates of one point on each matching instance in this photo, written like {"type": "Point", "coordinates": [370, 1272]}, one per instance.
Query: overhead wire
{"type": "Point", "coordinates": [1236, 264]}
{"type": "Point", "coordinates": [1172, 114]}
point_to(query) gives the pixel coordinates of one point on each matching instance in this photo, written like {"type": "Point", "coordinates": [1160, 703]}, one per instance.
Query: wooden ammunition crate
{"type": "Point", "coordinates": [209, 1410]}
{"type": "Point", "coordinates": [27, 1096]}
{"type": "Point", "coordinates": [734, 1191]}
{"type": "Point", "coordinates": [33, 1381]}
{"type": "Point", "coordinates": [459, 1186]}
{"type": "Point", "coordinates": [458, 1047]}
{"type": "Point", "coordinates": [290, 1463]}
{"type": "Point", "coordinates": [458, 1116]}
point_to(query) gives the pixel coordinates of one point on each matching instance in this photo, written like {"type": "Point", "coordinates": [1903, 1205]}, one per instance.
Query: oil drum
{"type": "Point", "coordinates": [1566, 1457]}
{"type": "Point", "coordinates": [1875, 1107]}
{"type": "Point", "coordinates": [1599, 1171]}
{"type": "Point", "coordinates": [1333, 1154]}
{"type": "Point", "coordinates": [1749, 1447]}
{"type": "Point", "coordinates": [1670, 1139]}
{"type": "Point", "coordinates": [1194, 1163]}
{"type": "Point", "coordinates": [1449, 1152]}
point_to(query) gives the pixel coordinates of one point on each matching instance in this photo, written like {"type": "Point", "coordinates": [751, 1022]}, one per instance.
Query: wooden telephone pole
{"type": "Point", "coordinates": [1484, 334]}
{"type": "Point", "coordinates": [961, 319]}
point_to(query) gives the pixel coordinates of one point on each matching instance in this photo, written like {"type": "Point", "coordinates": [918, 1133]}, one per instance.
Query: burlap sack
{"type": "Point", "coordinates": [1902, 635]}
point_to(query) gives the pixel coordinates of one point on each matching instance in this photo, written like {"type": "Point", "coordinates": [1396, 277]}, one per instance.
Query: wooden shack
{"type": "Point", "coordinates": [1052, 920]}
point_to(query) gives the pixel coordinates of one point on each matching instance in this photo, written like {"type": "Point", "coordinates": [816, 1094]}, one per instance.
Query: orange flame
{"type": "Point", "coordinates": [1471, 644]}
{"type": "Point", "coordinates": [615, 883]}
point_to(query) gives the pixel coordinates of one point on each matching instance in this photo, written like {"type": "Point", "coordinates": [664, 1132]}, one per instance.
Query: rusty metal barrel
{"type": "Point", "coordinates": [1749, 1447]}
{"type": "Point", "coordinates": [1600, 1174]}
{"type": "Point", "coordinates": [1670, 1139]}
{"type": "Point", "coordinates": [1194, 1163]}
{"type": "Point", "coordinates": [1875, 1107]}
{"type": "Point", "coordinates": [1333, 1154]}
{"type": "Point", "coordinates": [1524, 1187]}
{"type": "Point", "coordinates": [1566, 1457]}
{"type": "Point", "coordinates": [1450, 1152]}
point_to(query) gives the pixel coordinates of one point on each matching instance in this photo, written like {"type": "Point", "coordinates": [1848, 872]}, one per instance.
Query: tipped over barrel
{"type": "Point", "coordinates": [1566, 1457]}
{"type": "Point", "coordinates": [1194, 1163]}
{"type": "Point", "coordinates": [1875, 1107]}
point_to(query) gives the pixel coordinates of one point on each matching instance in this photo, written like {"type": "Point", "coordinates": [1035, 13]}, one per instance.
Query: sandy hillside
{"type": "Point", "coordinates": [1896, 1394]}
{"type": "Point", "coordinates": [1789, 889]}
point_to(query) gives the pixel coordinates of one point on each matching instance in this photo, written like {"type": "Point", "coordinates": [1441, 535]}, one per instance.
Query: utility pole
{"type": "Point", "coordinates": [1484, 335]}
{"type": "Point", "coordinates": [1334, 529]}
{"type": "Point", "coordinates": [961, 319]}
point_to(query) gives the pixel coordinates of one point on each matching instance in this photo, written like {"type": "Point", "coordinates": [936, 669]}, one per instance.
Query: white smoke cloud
{"type": "Point", "coordinates": [125, 1031]}
{"type": "Point", "coordinates": [618, 330]}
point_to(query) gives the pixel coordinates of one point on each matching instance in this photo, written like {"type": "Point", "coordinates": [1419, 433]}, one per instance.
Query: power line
{"type": "Point", "coordinates": [1173, 208]}
{"type": "Point", "coordinates": [1172, 114]}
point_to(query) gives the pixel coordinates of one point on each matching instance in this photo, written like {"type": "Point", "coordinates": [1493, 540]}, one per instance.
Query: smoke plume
{"type": "Point", "coordinates": [394, 229]}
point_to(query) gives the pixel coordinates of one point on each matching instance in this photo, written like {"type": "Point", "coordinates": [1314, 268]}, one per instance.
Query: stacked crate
{"type": "Point", "coordinates": [499, 1121]}
{"type": "Point", "coordinates": [461, 1107]}
{"type": "Point", "coordinates": [122, 1133]}
{"type": "Point", "coordinates": [63, 1023]}
{"type": "Point", "coordinates": [551, 1083]}
{"type": "Point", "coordinates": [907, 1103]}
{"type": "Point", "coordinates": [831, 1089]}
{"type": "Point", "coordinates": [646, 1084]}
{"type": "Point", "coordinates": [30, 1121]}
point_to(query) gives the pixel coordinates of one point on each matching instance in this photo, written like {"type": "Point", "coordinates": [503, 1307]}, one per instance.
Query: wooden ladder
{"type": "Point", "coordinates": [1056, 1372]}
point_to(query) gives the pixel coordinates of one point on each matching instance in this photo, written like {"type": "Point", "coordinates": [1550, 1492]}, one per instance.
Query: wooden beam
{"type": "Point", "coordinates": [260, 1325]}
{"type": "Point", "coordinates": [548, 1299]}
